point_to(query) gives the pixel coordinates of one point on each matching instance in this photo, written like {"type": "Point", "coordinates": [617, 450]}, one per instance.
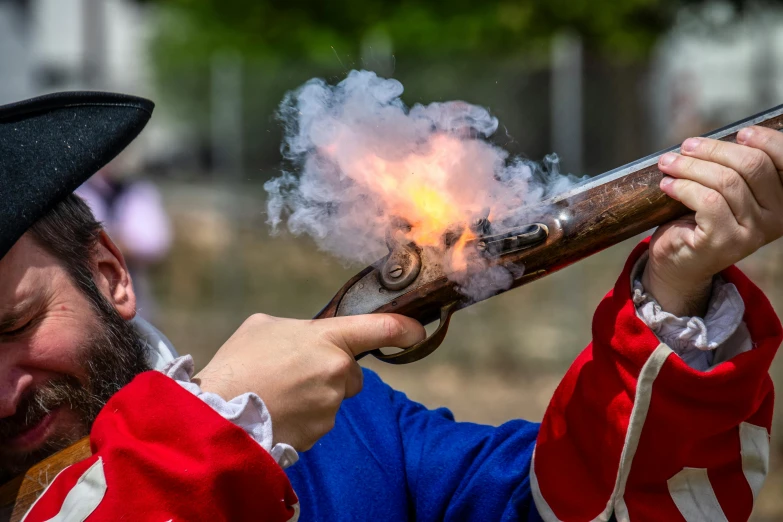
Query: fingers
{"type": "Point", "coordinates": [713, 214]}
{"type": "Point", "coordinates": [728, 183]}
{"type": "Point", "coordinates": [753, 165]}
{"type": "Point", "coordinates": [767, 140]}
{"type": "Point", "coordinates": [363, 333]}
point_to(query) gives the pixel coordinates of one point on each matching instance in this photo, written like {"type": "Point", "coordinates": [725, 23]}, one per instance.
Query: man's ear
{"type": "Point", "coordinates": [112, 277]}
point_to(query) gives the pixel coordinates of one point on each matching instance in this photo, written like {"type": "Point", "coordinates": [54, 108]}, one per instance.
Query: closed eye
{"type": "Point", "coordinates": [18, 330]}
{"type": "Point", "coordinates": [24, 316]}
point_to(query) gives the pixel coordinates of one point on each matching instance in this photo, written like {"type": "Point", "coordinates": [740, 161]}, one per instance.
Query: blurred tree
{"type": "Point", "coordinates": [315, 30]}
{"type": "Point", "coordinates": [293, 40]}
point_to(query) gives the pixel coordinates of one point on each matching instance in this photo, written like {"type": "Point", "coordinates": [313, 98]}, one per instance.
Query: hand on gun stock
{"type": "Point", "coordinates": [302, 369]}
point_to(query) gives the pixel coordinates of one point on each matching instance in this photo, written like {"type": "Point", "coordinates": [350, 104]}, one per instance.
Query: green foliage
{"type": "Point", "coordinates": [316, 30]}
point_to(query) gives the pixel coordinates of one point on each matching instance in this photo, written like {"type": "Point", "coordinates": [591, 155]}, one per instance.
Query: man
{"type": "Point", "coordinates": [663, 417]}
{"type": "Point", "coordinates": [69, 340]}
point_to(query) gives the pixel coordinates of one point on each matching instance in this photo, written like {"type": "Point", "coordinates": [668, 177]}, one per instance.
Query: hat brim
{"type": "Point", "coordinates": [52, 144]}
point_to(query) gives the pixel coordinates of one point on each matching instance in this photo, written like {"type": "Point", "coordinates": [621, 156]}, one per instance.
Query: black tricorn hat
{"type": "Point", "coordinates": [50, 145]}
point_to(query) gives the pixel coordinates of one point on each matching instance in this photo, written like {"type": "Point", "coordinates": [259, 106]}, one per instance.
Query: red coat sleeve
{"type": "Point", "coordinates": [633, 430]}
{"type": "Point", "coordinates": [160, 453]}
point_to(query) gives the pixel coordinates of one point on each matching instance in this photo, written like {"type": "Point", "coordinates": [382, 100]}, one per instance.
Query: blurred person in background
{"type": "Point", "coordinates": [132, 211]}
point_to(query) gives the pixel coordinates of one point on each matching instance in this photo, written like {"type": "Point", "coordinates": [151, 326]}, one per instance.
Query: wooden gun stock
{"type": "Point", "coordinates": [595, 215]}
{"type": "Point", "coordinates": [18, 495]}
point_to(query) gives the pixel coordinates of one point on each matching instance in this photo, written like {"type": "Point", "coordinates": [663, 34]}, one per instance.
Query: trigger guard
{"type": "Point", "coordinates": [423, 348]}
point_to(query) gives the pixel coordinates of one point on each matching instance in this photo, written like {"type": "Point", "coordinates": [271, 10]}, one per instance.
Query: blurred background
{"type": "Point", "coordinates": [600, 82]}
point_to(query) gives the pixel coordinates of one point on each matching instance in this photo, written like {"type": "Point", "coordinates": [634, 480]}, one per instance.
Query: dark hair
{"type": "Point", "coordinates": [70, 232]}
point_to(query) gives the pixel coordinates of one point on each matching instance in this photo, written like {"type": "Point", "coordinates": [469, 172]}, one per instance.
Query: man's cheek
{"type": "Point", "coordinates": [58, 350]}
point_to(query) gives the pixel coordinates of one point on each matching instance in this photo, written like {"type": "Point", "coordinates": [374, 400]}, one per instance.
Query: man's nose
{"type": "Point", "coordinates": [13, 382]}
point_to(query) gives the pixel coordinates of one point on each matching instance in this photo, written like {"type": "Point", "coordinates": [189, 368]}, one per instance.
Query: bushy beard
{"type": "Point", "coordinates": [113, 355]}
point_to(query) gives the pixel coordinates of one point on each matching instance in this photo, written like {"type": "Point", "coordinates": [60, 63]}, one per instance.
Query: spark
{"type": "Point", "coordinates": [338, 58]}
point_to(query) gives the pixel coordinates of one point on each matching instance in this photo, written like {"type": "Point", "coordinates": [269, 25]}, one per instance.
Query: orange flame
{"type": "Point", "coordinates": [416, 187]}
{"type": "Point", "coordinates": [459, 258]}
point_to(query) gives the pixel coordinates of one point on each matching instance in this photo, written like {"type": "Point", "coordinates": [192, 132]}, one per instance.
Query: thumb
{"type": "Point", "coordinates": [363, 333]}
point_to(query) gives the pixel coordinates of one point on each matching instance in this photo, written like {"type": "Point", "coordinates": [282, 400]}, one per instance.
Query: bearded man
{"type": "Point", "coordinates": [665, 416]}
{"type": "Point", "coordinates": [75, 360]}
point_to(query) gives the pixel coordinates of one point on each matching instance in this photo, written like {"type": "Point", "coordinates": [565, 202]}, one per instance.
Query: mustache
{"type": "Point", "coordinates": [46, 398]}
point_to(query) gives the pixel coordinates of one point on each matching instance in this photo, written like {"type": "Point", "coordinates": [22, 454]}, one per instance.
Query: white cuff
{"type": "Point", "coordinates": [700, 342]}
{"type": "Point", "coordinates": [247, 411]}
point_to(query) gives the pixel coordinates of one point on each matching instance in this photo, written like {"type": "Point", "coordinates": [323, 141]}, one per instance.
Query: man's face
{"type": "Point", "coordinates": [61, 357]}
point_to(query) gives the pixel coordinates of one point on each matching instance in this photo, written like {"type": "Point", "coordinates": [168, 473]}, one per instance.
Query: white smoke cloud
{"type": "Point", "coordinates": [360, 158]}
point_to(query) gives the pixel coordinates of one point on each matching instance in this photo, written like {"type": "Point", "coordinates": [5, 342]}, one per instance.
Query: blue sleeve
{"type": "Point", "coordinates": [465, 471]}
{"type": "Point", "coordinates": [389, 459]}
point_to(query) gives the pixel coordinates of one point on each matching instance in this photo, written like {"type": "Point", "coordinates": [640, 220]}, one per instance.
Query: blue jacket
{"type": "Point", "coordinates": [391, 459]}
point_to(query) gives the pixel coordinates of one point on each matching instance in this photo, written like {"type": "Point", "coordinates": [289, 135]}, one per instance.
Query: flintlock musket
{"type": "Point", "coordinates": [586, 219]}
{"type": "Point", "coordinates": [596, 214]}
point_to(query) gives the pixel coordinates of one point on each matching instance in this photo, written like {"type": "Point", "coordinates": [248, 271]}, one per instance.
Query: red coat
{"type": "Point", "coordinates": [633, 428]}
{"type": "Point", "coordinates": [160, 453]}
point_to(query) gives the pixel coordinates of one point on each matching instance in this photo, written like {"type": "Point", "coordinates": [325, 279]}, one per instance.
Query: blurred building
{"type": "Point", "coordinates": [51, 45]}
{"type": "Point", "coordinates": [57, 45]}
{"type": "Point", "coordinates": [709, 70]}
